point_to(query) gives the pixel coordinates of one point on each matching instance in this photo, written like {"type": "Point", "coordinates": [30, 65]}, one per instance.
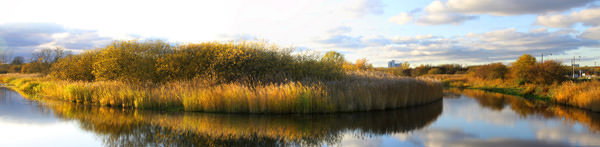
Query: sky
{"type": "Point", "coordinates": [434, 32]}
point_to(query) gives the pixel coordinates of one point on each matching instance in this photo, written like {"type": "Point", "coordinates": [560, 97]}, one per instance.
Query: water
{"type": "Point", "coordinates": [469, 117]}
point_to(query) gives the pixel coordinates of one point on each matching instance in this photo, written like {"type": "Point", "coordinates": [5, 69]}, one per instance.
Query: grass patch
{"type": "Point", "coordinates": [360, 91]}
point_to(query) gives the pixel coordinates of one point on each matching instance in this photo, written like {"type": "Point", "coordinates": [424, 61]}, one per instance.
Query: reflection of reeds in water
{"type": "Point", "coordinates": [143, 128]}
{"type": "Point", "coordinates": [524, 107]}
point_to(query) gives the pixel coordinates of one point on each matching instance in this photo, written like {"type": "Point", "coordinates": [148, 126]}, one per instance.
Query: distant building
{"type": "Point", "coordinates": [393, 64]}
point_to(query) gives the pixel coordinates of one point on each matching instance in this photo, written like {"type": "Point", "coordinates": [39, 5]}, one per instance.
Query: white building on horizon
{"type": "Point", "coordinates": [393, 64]}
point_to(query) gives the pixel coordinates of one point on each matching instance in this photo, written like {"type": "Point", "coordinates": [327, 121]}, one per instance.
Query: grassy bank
{"type": "Point", "coordinates": [358, 92]}
{"type": "Point", "coordinates": [233, 77]}
{"type": "Point", "coordinates": [584, 95]}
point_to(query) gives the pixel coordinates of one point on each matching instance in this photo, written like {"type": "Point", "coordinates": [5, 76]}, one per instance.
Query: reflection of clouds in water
{"type": "Point", "coordinates": [351, 140]}
{"type": "Point", "coordinates": [472, 111]}
{"type": "Point", "coordinates": [568, 133]}
{"type": "Point", "coordinates": [15, 109]}
{"type": "Point", "coordinates": [435, 137]}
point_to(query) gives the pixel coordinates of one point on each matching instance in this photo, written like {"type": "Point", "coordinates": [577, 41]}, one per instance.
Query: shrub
{"type": "Point", "coordinates": [75, 67]}
{"type": "Point", "coordinates": [157, 61]}
{"type": "Point", "coordinates": [490, 71]}
{"type": "Point", "coordinates": [131, 61]}
{"type": "Point", "coordinates": [434, 71]}
{"type": "Point", "coordinates": [548, 72]}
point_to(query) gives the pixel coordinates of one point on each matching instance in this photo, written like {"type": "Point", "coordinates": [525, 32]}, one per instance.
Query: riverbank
{"type": "Point", "coordinates": [582, 95]}
{"type": "Point", "coordinates": [360, 91]}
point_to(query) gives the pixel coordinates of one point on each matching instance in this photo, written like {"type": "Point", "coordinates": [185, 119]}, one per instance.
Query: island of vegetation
{"type": "Point", "coordinates": [231, 77]}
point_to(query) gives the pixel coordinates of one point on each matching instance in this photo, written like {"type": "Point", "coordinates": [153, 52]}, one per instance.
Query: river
{"type": "Point", "coordinates": [463, 117]}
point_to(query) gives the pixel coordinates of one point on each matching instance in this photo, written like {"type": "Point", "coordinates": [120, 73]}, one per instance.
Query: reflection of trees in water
{"type": "Point", "coordinates": [525, 108]}
{"type": "Point", "coordinates": [149, 128]}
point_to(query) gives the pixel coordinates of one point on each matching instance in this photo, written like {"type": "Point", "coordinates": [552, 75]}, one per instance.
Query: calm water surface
{"type": "Point", "coordinates": [463, 117]}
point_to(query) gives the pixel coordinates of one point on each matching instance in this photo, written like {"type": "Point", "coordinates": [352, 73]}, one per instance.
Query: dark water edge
{"type": "Point", "coordinates": [464, 117]}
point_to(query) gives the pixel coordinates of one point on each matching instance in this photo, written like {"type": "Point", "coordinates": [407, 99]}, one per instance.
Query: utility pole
{"type": "Point", "coordinates": [543, 56]}
{"type": "Point", "coordinates": [573, 66]}
{"type": "Point", "coordinates": [579, 66]}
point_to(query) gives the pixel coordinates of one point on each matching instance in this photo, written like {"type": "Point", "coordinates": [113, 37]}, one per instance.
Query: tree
{"type": "Point", "coordinates": [18, 60]}
{"type": "Point", "coordinates": [521, 69]}
{"type": "Point", "coordinates": [490, 71]}
{"type": "Point", "coordinates": [362, 64]}
{"type": "Point", "coordinates": [421, 70]}
{"type": "Point", "coordinates": [548, 72]}
{"type": "Point", "coordinates": [405, 65]}
{"type": "Point", "coordinates": [334, 57]}
{"type": "Point", "coordinates": [48, 55]}
{"type": "Point", "coordinates": [434, 71]}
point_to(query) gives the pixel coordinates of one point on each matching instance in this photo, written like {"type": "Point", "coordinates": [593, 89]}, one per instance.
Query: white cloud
{"type": "Point", "coordinates": [443, 18]}
{"type": "Point", "coordinates": [364, 7]}
{"type": "Point", "coordinates": [592, 33]}
{"type": "Point", "coordinates": [458, 11]}
{"type": "Point", "coordinates": [589, 17]}
{"type": "Point", "coordinates": [493, 46]}
{"type": "Point", "coordinates": [401, 18]}
{"type": "Point", "coordinates": [340, 30]}
{"type": "Point", "coordinates": [24, 38]}
{"type": "Point", "coordinates": [512, 7]}
{"type": "Point", "coordinates": [437, 13]}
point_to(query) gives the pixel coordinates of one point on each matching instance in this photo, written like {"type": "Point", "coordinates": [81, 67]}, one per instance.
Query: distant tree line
{"type": "Point", "coordinates": [40, 61]}
{"type": "Point", "coordinates": [523, 70]}
{"type": "Point", "coordinates": [424, 69]}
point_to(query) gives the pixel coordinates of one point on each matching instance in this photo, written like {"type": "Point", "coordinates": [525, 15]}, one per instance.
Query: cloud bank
{"type": "Point", "coordinates": [24, 38]}
{"type": "Point", "coordinates": [458, 11]}
{"type": "Point", "coordinates": [493, 46]}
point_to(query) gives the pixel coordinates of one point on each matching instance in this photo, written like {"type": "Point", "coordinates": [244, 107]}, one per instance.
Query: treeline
{"type": "Point", "coordinates": [40, 62]}
{"type": "Point", "coordinates": [425, 69]}
{"type": "Point", "coordinates": [523, 70]}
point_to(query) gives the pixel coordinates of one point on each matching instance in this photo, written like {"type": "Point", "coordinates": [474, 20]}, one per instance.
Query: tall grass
{"type": "Point", "coordinates": [360, 91]}
{"type": "Point", "coordinates": [583, 95]}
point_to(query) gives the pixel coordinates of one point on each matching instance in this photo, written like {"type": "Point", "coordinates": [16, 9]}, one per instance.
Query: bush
{"type": "Point", "coordinates": [131, 61]}
{"type": "Point", "coordinates": [434, 71]}
{"type": "Point", "coordinates": [548, 72]}
{"type": "Point", "coordinates": [36, 67]}
{"type": "Point", "coordinates": [490, 71]}
{"type": "Point", "coordinates": [157, 61]}
{"type": "Point", "coordinates": [77, 67]}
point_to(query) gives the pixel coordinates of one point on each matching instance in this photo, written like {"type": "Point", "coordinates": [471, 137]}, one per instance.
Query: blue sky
{"type": "Point", "coordinates": [420, 32]}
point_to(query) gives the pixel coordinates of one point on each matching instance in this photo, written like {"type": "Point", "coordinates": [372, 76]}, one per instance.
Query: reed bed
{"type": "Point", "coordinates": [584, 95]}
{"type": "Point", "coordinates": [360, 91]}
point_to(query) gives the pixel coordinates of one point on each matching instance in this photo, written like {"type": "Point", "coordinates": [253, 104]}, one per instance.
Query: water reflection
{"type": "Point", "coordinates": [527, 108]}
{"type": "Point", "coordinates": [118, 127]}
{"type": "Point", "coordinates": [469, 118]}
